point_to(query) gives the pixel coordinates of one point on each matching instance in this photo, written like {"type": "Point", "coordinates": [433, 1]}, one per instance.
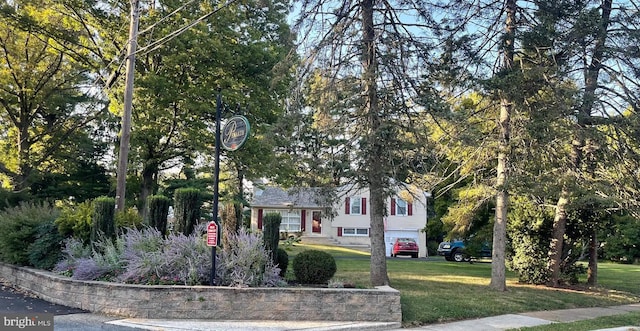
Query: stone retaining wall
{"type": "Point", "coordinates": [381, 304]}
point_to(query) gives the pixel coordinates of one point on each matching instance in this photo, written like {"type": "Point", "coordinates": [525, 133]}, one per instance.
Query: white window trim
{"type": "Point", "coordinates": [406, 207]}
{"type": "Point", "coordinates": [289, 215]}
{"type": "Point", "coordinates": [352, 202]}
{"type": "Point", "coordinates": [355, 232]}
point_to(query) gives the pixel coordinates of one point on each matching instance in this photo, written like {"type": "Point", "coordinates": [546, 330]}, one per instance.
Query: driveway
{"type": "Point", "coordinates": [65, 318]}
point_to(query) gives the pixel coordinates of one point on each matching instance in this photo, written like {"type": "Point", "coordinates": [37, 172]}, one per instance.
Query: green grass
{"type": "Point", "coordinates": [438, 291]}
{"type": "Point", "coordinates": [628, 319]}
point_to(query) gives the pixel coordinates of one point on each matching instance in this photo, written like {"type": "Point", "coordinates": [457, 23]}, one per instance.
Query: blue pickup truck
{"type": "Point", "coordinates": [455, 251]}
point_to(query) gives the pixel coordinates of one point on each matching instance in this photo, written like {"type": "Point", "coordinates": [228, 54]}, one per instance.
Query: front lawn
{"type": "Point", "coordinates": [435, 291]}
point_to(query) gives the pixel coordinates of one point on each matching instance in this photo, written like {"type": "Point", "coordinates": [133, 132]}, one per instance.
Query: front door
{"type": "Point", "coordinates": [317, 222]}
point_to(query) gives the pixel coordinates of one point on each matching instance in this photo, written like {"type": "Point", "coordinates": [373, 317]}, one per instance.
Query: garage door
{"type": "Point", "coordinates": [390, 237]}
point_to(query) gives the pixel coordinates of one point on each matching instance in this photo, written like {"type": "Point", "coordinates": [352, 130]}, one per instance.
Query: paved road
{"type": "Point", "coordinates": [65, 318]}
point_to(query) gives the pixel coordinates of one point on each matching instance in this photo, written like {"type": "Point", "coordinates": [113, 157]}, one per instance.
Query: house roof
{"type": "Point", "coordinates": [278, 197]}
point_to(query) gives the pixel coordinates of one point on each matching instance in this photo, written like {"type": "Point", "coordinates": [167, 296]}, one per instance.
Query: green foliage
{"type": "Point", "coordinates": [19, 228]}
{"type": "Point", "coordinates": [45, 137]}
{"type": "Point", "coordinates": [271, 234]}
{"type": "Point", "coordinates": [75, 221]}
{"type": "Point", "coordinates": [290, 241]}
{"type": "Point", "coordinates": [314, 267]}
{"type": "Point", "coordinates": [103, 218]}
{"type": "Point", "coordinates": [246, 262]}
{"type": "Point", "coordinates": [187, 204]}
{"type": "Point", "coordinates": [158, 212]}
{"type": "Point", "coordinates": [11, 199]}
{"type": "Point", "coordinates": [622, 244]}
{"type": "Point", "coordinates": [128, 219]}
{"type": "Point", "coordinates": [282, 261]}
{"type": "Point", "coordinates": [529, 230]}
{"type": "Point", "coordinates": [46, 250]}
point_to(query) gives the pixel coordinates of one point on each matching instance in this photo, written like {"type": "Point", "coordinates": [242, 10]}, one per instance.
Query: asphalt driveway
{"type": "Point", "coordinates": [13, 300]}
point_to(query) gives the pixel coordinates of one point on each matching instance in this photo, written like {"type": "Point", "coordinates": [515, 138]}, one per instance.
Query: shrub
{"type": "Point", "coordinates": [282, 261]}
{"type": "Point", "coordinates": [45, 251]}
{"type": "Point", "coordinates": [529, 230]}
{"type": "Point", "coordinates": [141, 257]}
{"type": "Point", "coordinates": [622, 243]}
{"type": "Point", "coordinates": [103, 218]}
{"type": "Point", "coordinates": [271, 234]}
{"type": "Point", "coordinates": [144, 257]}
{"type": "Point", "coordinates": [314, 267]}
{"type": "Point", "coordinates": [142, 254]}
{"type": "Point", "coordinates": [75, 221]}
{"type": "Point", "coordinates": [188, 202]}
{"type": "Point", "coordinates": [19, 228]}
{"type": "Point", "coordinates": [246, 263]}
{"type": "Point", "coordinates": [74, 250]}
{"type": "Point", "coordinates": [82, 263]}
{"type": "Point", "coordinates": [128, 219]}
{"type": "Point", "coordinates": [187, 259]}
{"type": "Point", "coordinates": [158, 212]}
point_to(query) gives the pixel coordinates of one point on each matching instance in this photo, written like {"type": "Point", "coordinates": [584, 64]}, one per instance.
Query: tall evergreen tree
{"type": "Point", "coordinates": [364, 60]}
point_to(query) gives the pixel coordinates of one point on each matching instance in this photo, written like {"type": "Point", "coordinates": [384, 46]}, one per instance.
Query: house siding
{"type": "Point", "coordinates": [334, 228]}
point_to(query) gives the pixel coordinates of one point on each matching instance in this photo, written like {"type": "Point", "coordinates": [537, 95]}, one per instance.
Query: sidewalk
{"type": "Point", "coordinates": [502, 322]}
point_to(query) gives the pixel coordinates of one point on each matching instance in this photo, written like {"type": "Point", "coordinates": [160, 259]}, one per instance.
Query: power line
{"type": "Point", "coordinates": [158, 43]}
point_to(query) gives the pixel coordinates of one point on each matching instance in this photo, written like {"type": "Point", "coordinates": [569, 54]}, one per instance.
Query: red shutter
{"type": "Point", "coordinates": [259, 219]}
{"type": "Point", "coordinates": [393, 206]}
{"type": "Point", "coordinates": [409, 209]}
{"type": "Point", "coordinates": [364, 206]}
{"type": "Point", "coordinates": [347, 206]}
{"type": "Point", "coordinates": [303, 220]}
{"type": "Point", "coordinates": [339, 231]}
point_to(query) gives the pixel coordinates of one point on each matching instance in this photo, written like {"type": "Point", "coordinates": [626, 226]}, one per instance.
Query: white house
{"type": "Point", "coordinates": [346, 221]}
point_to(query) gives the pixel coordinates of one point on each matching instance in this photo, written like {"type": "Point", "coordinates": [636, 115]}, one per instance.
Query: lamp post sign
{"type": "Point", "coordinates": [235, 133]}
{"type": "Point", "coordinates": [231, 137]}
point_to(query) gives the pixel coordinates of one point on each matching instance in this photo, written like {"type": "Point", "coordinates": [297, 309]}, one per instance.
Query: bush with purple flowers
{"type": "Point", "coordinates": [145, 257]}
{"type": "Point", "coordinates": [246, 263]}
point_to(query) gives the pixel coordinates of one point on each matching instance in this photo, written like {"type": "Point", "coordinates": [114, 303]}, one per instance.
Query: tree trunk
{"type": "Point", "coordinates": [375, 167]}
{"type": "Point", "coordinates": [498, 277]}
{"type": "Point", "coordinates": [147, 187]}
{"type": "Point", "coordinates": [591, 75]}
{"type": "Point", "coordinates": [20, 182]}
{"type": "Point", "coordinates": [557, 241]}
{"type": "Point", "coordinates": [592, 271]}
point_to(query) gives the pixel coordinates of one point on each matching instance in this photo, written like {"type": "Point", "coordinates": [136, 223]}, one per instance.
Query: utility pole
{"type": "Point", "coordinates": [125, 131]}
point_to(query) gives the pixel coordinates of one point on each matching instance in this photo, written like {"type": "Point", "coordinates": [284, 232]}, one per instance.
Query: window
{"type": "Point", "coordinates": [355, 232]}
{"type": "Point", "coordinates": [401, 207]}
{"type": "Point", "coordinates": [290, 220]}
{"type": "Point", "coordinates": [355, 206]}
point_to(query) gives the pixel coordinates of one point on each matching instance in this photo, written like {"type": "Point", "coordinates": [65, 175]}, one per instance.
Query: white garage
{"type": "Point", "coordinates": [391, 235]}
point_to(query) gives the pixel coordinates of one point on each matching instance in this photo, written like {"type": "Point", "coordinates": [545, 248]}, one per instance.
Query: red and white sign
{"type": "Point", "coordinates": [212, 234]}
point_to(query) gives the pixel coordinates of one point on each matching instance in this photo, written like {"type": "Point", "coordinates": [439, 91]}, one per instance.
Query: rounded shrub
{"type": "Point", "coordinates": [282, 261]}
{"type": "Point", "coordinates": [314, 267]}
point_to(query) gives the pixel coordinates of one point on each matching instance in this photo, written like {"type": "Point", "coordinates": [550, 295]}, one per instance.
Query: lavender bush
{"type": "Point", "coordinates": [142, 254]}
{"type": "Point", "coordinates": [187, 258]}
{"type": "Point", "coordinates": [144, 257]}
{"type": "Point", "coordinates": [246, 263]}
